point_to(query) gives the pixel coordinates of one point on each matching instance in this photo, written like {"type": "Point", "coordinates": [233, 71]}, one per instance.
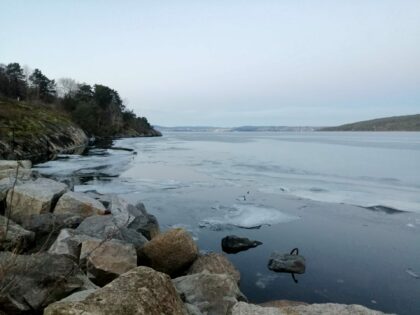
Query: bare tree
{"type": "Point", "coordinates": [66, 86]}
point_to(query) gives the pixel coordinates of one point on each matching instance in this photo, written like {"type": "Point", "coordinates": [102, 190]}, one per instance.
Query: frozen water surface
{"type": "Point", "coordinates": [349, 201]}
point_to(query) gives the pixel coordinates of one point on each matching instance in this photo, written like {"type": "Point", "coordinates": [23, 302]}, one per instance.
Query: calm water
{"type": "Point", "coordinates": [306, 190]}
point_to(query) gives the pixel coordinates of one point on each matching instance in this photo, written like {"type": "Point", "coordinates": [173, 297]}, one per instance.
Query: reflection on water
{"type": "Point", "coordinates": [335, 196]}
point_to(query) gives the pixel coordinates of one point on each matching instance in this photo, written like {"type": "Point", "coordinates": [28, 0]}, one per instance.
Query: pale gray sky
{"type": "Point", "coordinates": [229, 63]}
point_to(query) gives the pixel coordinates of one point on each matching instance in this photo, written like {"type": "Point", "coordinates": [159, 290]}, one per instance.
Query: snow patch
{"type": "Point", "coordinates": [248, 217]}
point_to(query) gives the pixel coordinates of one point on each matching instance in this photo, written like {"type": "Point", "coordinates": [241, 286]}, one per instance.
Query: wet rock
{"type": "Point", "coordinates": [108, 227]}
{"type": "Point", "coordinates": [214, 263]}
{"type": "Point", "coordinates": [171, 252]}
{"type": "Point", "coordinates": [34, 197]}
{"type": "Point", "coordinates": [79, 204]}
{"type": "Point", "coordinates": [287, 263]}
{"type": "Point", "coordinates": [140, 291]}
{"type": "Point", "coordinates": [17, 238]}
{"type": "Point", "coordinates": [212, 294]}
{"type": "Point", "coordinates": [34, 281]}
{"type": "Point", "coordinates": [234, 244]}
{"type": "Point", "coordinates": [104, 261]}
{"type": "Point", "coordinates": [69, 243]}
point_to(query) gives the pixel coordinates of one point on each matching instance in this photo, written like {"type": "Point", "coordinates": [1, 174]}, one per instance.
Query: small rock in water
{"type": "Point", "coordinates": [292, 263]}
{"type": "Point", "coordinates": [233, 244]}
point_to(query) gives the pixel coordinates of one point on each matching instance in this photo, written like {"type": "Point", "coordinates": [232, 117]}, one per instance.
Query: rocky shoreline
{"type": "Point", "coordinates": [64, 252]}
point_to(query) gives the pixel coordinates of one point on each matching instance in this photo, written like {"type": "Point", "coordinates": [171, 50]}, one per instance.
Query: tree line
{"type": "Point", "coordinates": [97, 109]}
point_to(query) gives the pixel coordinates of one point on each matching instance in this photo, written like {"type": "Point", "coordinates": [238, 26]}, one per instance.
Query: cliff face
{"type": "Point", "coordinates": [36, 133]}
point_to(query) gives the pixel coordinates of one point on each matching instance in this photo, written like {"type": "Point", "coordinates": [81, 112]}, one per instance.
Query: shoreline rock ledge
{"type": "Point", "coordinates": [68, 253]}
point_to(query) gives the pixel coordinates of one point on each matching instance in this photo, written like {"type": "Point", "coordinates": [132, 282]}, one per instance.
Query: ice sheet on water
{"type": "Point", "coordinates": [247, 216]}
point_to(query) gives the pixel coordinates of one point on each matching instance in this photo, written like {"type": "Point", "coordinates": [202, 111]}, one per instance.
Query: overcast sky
{"type": "Point", "coordinates": [229, 63]}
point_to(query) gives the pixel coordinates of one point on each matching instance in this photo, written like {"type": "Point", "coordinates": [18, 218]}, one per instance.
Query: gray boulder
{"type": "Point", "coordinates": [106, 260]}
{"type": "Point", "coordinates": [145, 224]}
{"type": "Point", "coordinates": [140, 291]}
{"type": "Point", "coordinates": [47, 226]}
{"type": "Point", "coordinates": [287, 263]}
{"type": "Point", "coordinates": [212, 294]}
{"type": "Point", "coordinates": [214, 263]}
{"type": "Point", "coordinates": [35, 281]}
{"type": "Point", "coordinates": [17, 238]}
{"type": "Point", "coordinates": [47, 223]}
{"type": "Point", "coordinates": [102, 198]}
{"type": "Point", "coordinates": [171, 252]}
{"type": "Point", "coordinates": [69, 243]}
{"type": "Point", "coordinates": [34, 197]}
{"type": "Point", "coordinates": [79, 204]}
{"type": "Point", "coordinates": [107, 227]}
{"type": "Point", "coordinates": [125, 212]}
{"type": "Point", "coordinates": [233, 244]}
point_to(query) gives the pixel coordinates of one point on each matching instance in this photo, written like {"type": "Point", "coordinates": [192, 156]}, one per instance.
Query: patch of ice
{"type": "Point", "coordinates": [264, 280]}
{"type": "Point", "coordinates": [410, 225]}
{"type": "Point", "coordinates": [248, 216]}
{"type": "Point", "coordinates": [412, 273]}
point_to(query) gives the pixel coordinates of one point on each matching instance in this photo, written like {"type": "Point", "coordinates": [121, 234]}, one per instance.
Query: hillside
{"type": "Point", "coordinates": [36, 132]}
{"type": "Point", "coordinates": [396, 123]}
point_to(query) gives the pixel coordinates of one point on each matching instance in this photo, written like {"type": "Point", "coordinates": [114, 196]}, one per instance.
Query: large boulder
{"type": "Point", "coordinates": [79, 204]}
{"type": "Point", "coordinates": [17, 238]}
{"type": "Point", "coordinates": [214, 263]}
{"type": "Point", "coordinates": [34, 281]}
{"type": "Point", "coordinates": [212, 294]}
{"type": "Point", "coordinates": [107, 227]}
{"type": "Point", "coordinates": [171, 252]}
{"type": "Point", "coordinates": [106, 260]}
{"type": "Point", "coordinates": [140, 291]}
{"type": "Point", "coordinates": [34, 197]}
{"type": "Point", "coordinates": [242, 308]}
{"type": "Point", "coordinates": [233, 244]}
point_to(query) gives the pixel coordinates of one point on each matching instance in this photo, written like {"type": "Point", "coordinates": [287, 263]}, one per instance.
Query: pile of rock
{"type": "Point", "coordinates": [86, 253]}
